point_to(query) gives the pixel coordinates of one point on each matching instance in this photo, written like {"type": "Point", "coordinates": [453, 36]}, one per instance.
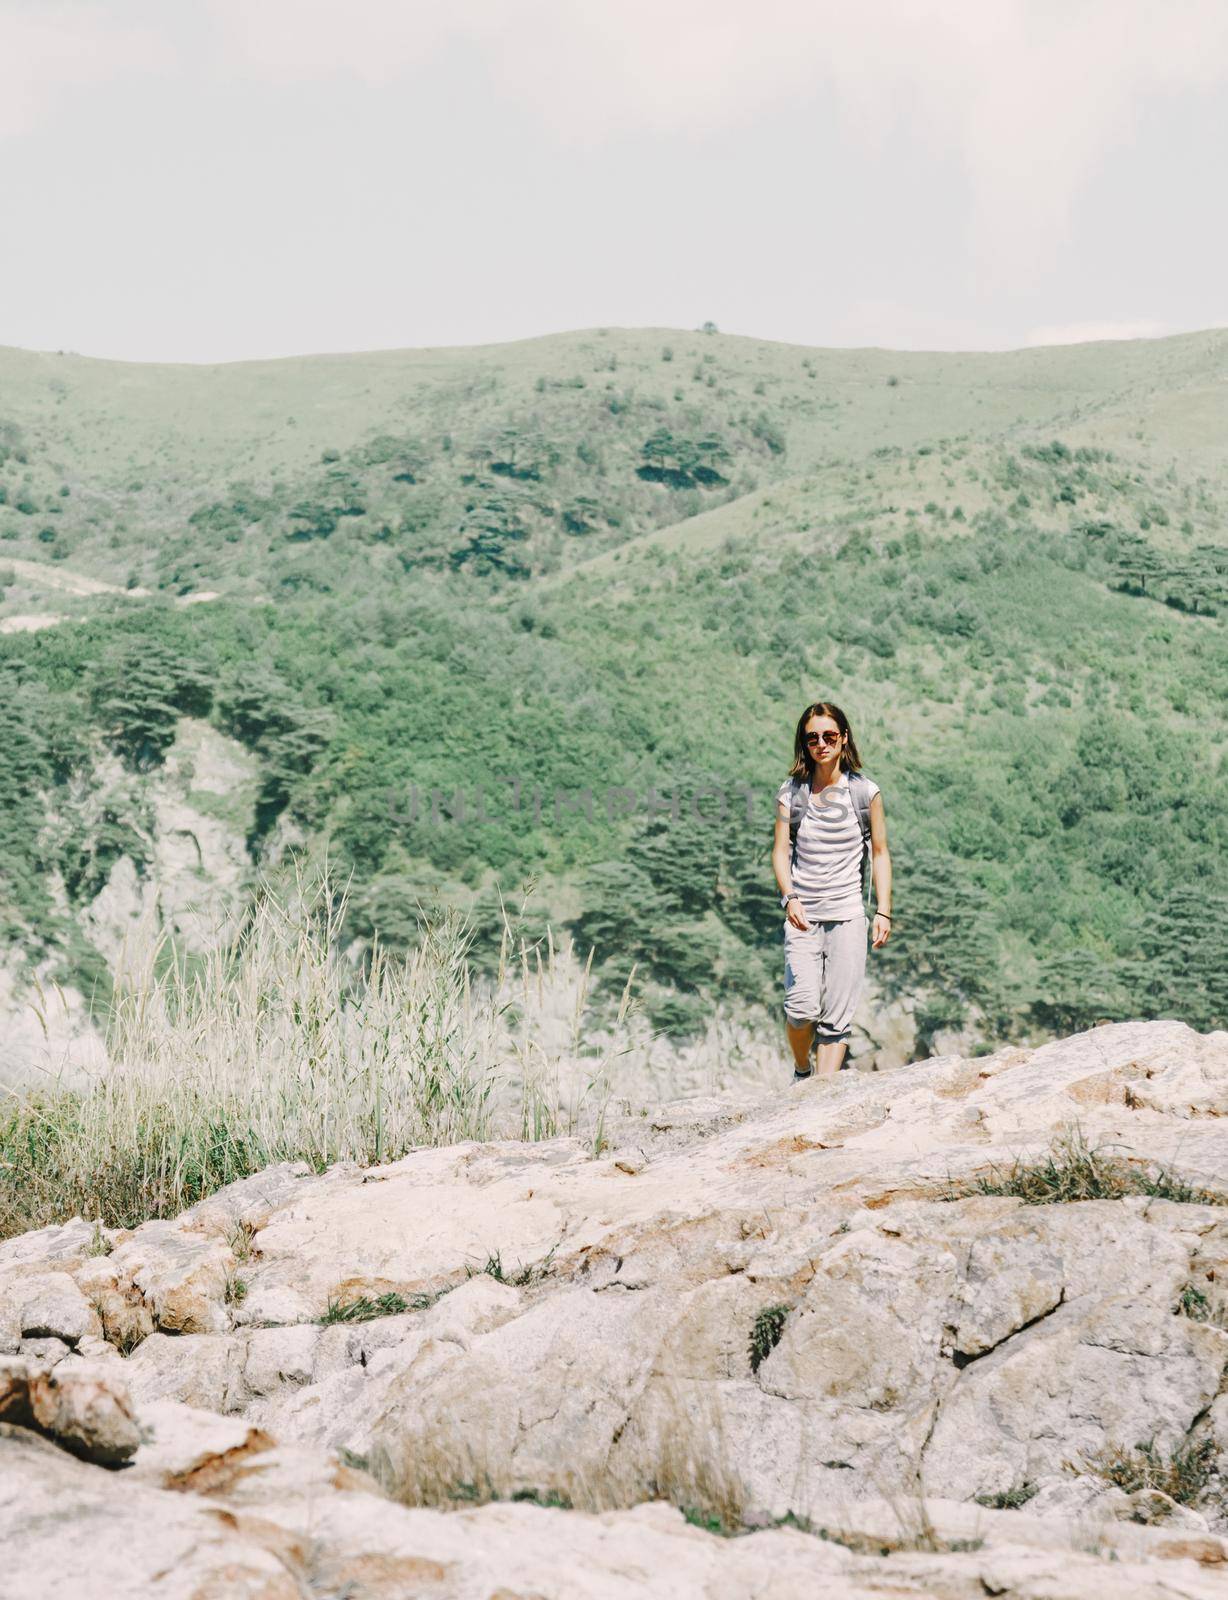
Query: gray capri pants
{"type": "Point", "coordinates": [824, 969]}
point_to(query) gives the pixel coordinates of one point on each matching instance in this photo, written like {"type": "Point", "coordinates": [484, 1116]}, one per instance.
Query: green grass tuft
{"type": "Point", "coordinates": [521, 1277]}
{"type": "Point", "coordinates": [366, 1309]}
{"type": "Point", "coordinates": [1008, 1499]}
{"type": "Point", "coordinates": [1072, 1170]}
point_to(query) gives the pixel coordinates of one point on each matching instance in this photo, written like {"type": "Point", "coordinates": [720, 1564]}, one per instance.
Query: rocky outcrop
{"type": "Point", "coordinates": [793, 1315]}
{"type": "Point", "coordinates": [80, 1405]}
{"type": "Point", "coordinates": [199, 806]}
{"type": "Point", "coordinates": [212, 1505]}
{"type": "Point", "coordinates": [47, 1039]}
{"type": "Point", "coordinates": [192, 815]}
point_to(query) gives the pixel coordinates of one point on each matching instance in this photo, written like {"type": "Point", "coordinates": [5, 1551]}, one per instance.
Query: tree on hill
{"type": "Point", "coordinates": [407, 456]}
{"type": "Point", "coordinates": [1077, 989]}
{"type": "Point", "coordinates": [683, 463]}
{"type": "Point", "coordinates": [25, 773]}
{"type": "Point", "coordinates": [230, 517]}
{"type": "Point", "coordinates": [1200, 582]}
{"type": "Point", "coordinates": [1138, 568]}
{"type": "Point", "coordinates": [11, 442]}
{"type": "Point", "coordinates": [339, 495]}
{"type": "Point", "coordinates": [941, 944]}
{"type": "Point", "coordinates": [1183, 940]}
{"type": "Point", "coordinates": [623, 908]}
{"type": "Point", "coordinates": [582, 515]}
{"type": "Point", "coordinates": [522, 453]}
{"type": "Point", "coordinates": [262, 711]}
{"type": "Point", "coordinates": [493, 531]}
{"type": "Point", "coordinates": [138, 692]}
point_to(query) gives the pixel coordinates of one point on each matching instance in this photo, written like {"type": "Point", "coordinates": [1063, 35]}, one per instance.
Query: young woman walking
{"type": "Point", "coordinates": [829, 823]}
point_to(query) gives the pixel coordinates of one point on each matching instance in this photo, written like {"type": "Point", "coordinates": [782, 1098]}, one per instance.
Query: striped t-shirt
{"type": "Point", "coordinates": [827, 871]}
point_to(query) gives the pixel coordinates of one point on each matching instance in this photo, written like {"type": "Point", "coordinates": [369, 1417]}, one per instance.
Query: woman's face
{"type": "Point", "coordinates": [823, 738]}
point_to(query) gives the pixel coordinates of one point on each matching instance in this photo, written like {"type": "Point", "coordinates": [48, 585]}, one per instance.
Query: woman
{"type": "Point", "coordinates": [821, 887]}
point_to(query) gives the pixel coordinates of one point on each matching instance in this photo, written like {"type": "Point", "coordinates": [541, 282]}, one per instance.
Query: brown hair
{"type": "Point", "coordinates": [803, 765]}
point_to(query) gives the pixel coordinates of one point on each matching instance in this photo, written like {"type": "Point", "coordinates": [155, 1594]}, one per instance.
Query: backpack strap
{"type": "Point", "coordinates": [859, 788]}
{"type": "Point", "coordinates": [799, 799]}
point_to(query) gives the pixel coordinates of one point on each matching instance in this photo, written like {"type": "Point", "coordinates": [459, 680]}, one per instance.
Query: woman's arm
{"type": "Point", "coordinates": [782, 851]}
{"type": "Point", "coordinates": [880, 870]}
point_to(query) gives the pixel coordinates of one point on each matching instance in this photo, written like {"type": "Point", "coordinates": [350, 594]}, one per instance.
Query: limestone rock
{"type": "Point", "coordinates": [261, 1521]}
{"type": "Point", "coordinates": [277, 1356]}
{"type": "Point", "coordinates": [1154, 1507]}
{"type": "Point", "coordinates": [252, 1201]}
{"type": "Point", "coordinates": [85, 1408]}
{"type": "Point", "coordinates": [42, 1354]}
{"type": "Point", "coordinates": [182, 1276]}
{"type": "Point", "coordinates": [15, 1392]}
{"type": "Point", "coordinates": [273, 1305]}
{"type": "Point", "coordinates": [69, 1529]}
{"type": "Point", "coordinates": [49, 1305]}
{"type": "Point", "coordinates": [10, 1328]}
{"type": "Point", "coordinates": [62, 1243]}
{"type": "Point", "coordinates": [112, 1292]}
{"type": "Point", "coordinates": [185, 1448]}
{"type": "Point", "coordinates": [204, 1371]}
{"type": "Point", "coordinates": [786, 1309]}
{"type": "Point", "coordinates": [355, 1368]}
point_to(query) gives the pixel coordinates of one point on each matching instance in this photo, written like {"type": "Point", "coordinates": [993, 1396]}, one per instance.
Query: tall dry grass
{"type": "Point", "coordinates": [278, 1047]}
{"type": "Point", "coordinates": [684, 1458]}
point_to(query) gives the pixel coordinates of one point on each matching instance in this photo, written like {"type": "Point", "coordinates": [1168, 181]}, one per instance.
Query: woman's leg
{"type": "Point", "coordinates": [802, 957]}
{"type": "Point", "coordinates": [845, 966]}
{"type": "Point", "coordinates": [828, 1058]}
{"type": "Point", "coordinates": [800, 1036]}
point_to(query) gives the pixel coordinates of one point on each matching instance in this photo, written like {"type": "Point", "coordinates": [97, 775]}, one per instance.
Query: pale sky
{"type": "Point", "coordinates": [216, 180]}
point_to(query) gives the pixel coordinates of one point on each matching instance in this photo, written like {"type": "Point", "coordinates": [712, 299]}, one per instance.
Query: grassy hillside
{"type": "Point", "coordinates": [630, 558]}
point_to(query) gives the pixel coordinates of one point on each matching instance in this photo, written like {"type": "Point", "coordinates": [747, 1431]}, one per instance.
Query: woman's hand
{"type": "Point", "coordinates": [882, 930]}
{"type": "Point", "coordinates": [795, 915]}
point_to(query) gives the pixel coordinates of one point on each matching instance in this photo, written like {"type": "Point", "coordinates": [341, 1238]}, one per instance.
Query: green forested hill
{"type": "Point", "coordinates": [630, 558]}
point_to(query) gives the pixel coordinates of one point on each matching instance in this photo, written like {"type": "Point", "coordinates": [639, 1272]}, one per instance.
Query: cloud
{"type": "Point", "coordinates": [375, 41]}
{"type": "Point", "coordinates": [1026, 97]}
{"type": "Point", "coordinates": [1092, 332]}
{"type": "Point", "coordinates": [1022, 100]}
{"type": "Point", "coordinates": [48, 51]}
{"type": "Point", "coordinates": [892, 325]}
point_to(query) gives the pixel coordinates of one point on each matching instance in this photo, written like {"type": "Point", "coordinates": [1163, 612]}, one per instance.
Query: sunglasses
{"type": "Point", "coordinates": [823, 738]}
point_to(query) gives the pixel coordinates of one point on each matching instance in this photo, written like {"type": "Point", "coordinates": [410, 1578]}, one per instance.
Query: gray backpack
{"type": "Point", "coordinates": [859, 789]}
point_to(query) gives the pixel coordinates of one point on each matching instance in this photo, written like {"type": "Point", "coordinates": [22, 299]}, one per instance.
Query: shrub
{"type": "Point", "coordinates": [1182, 1474]}
{"type": "Point", "coordinates": [765, 430]}
{"type": "Point", "coordinates": [1196, 1304]}
{"type": "Point", "coordinates": [766, 1333]}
